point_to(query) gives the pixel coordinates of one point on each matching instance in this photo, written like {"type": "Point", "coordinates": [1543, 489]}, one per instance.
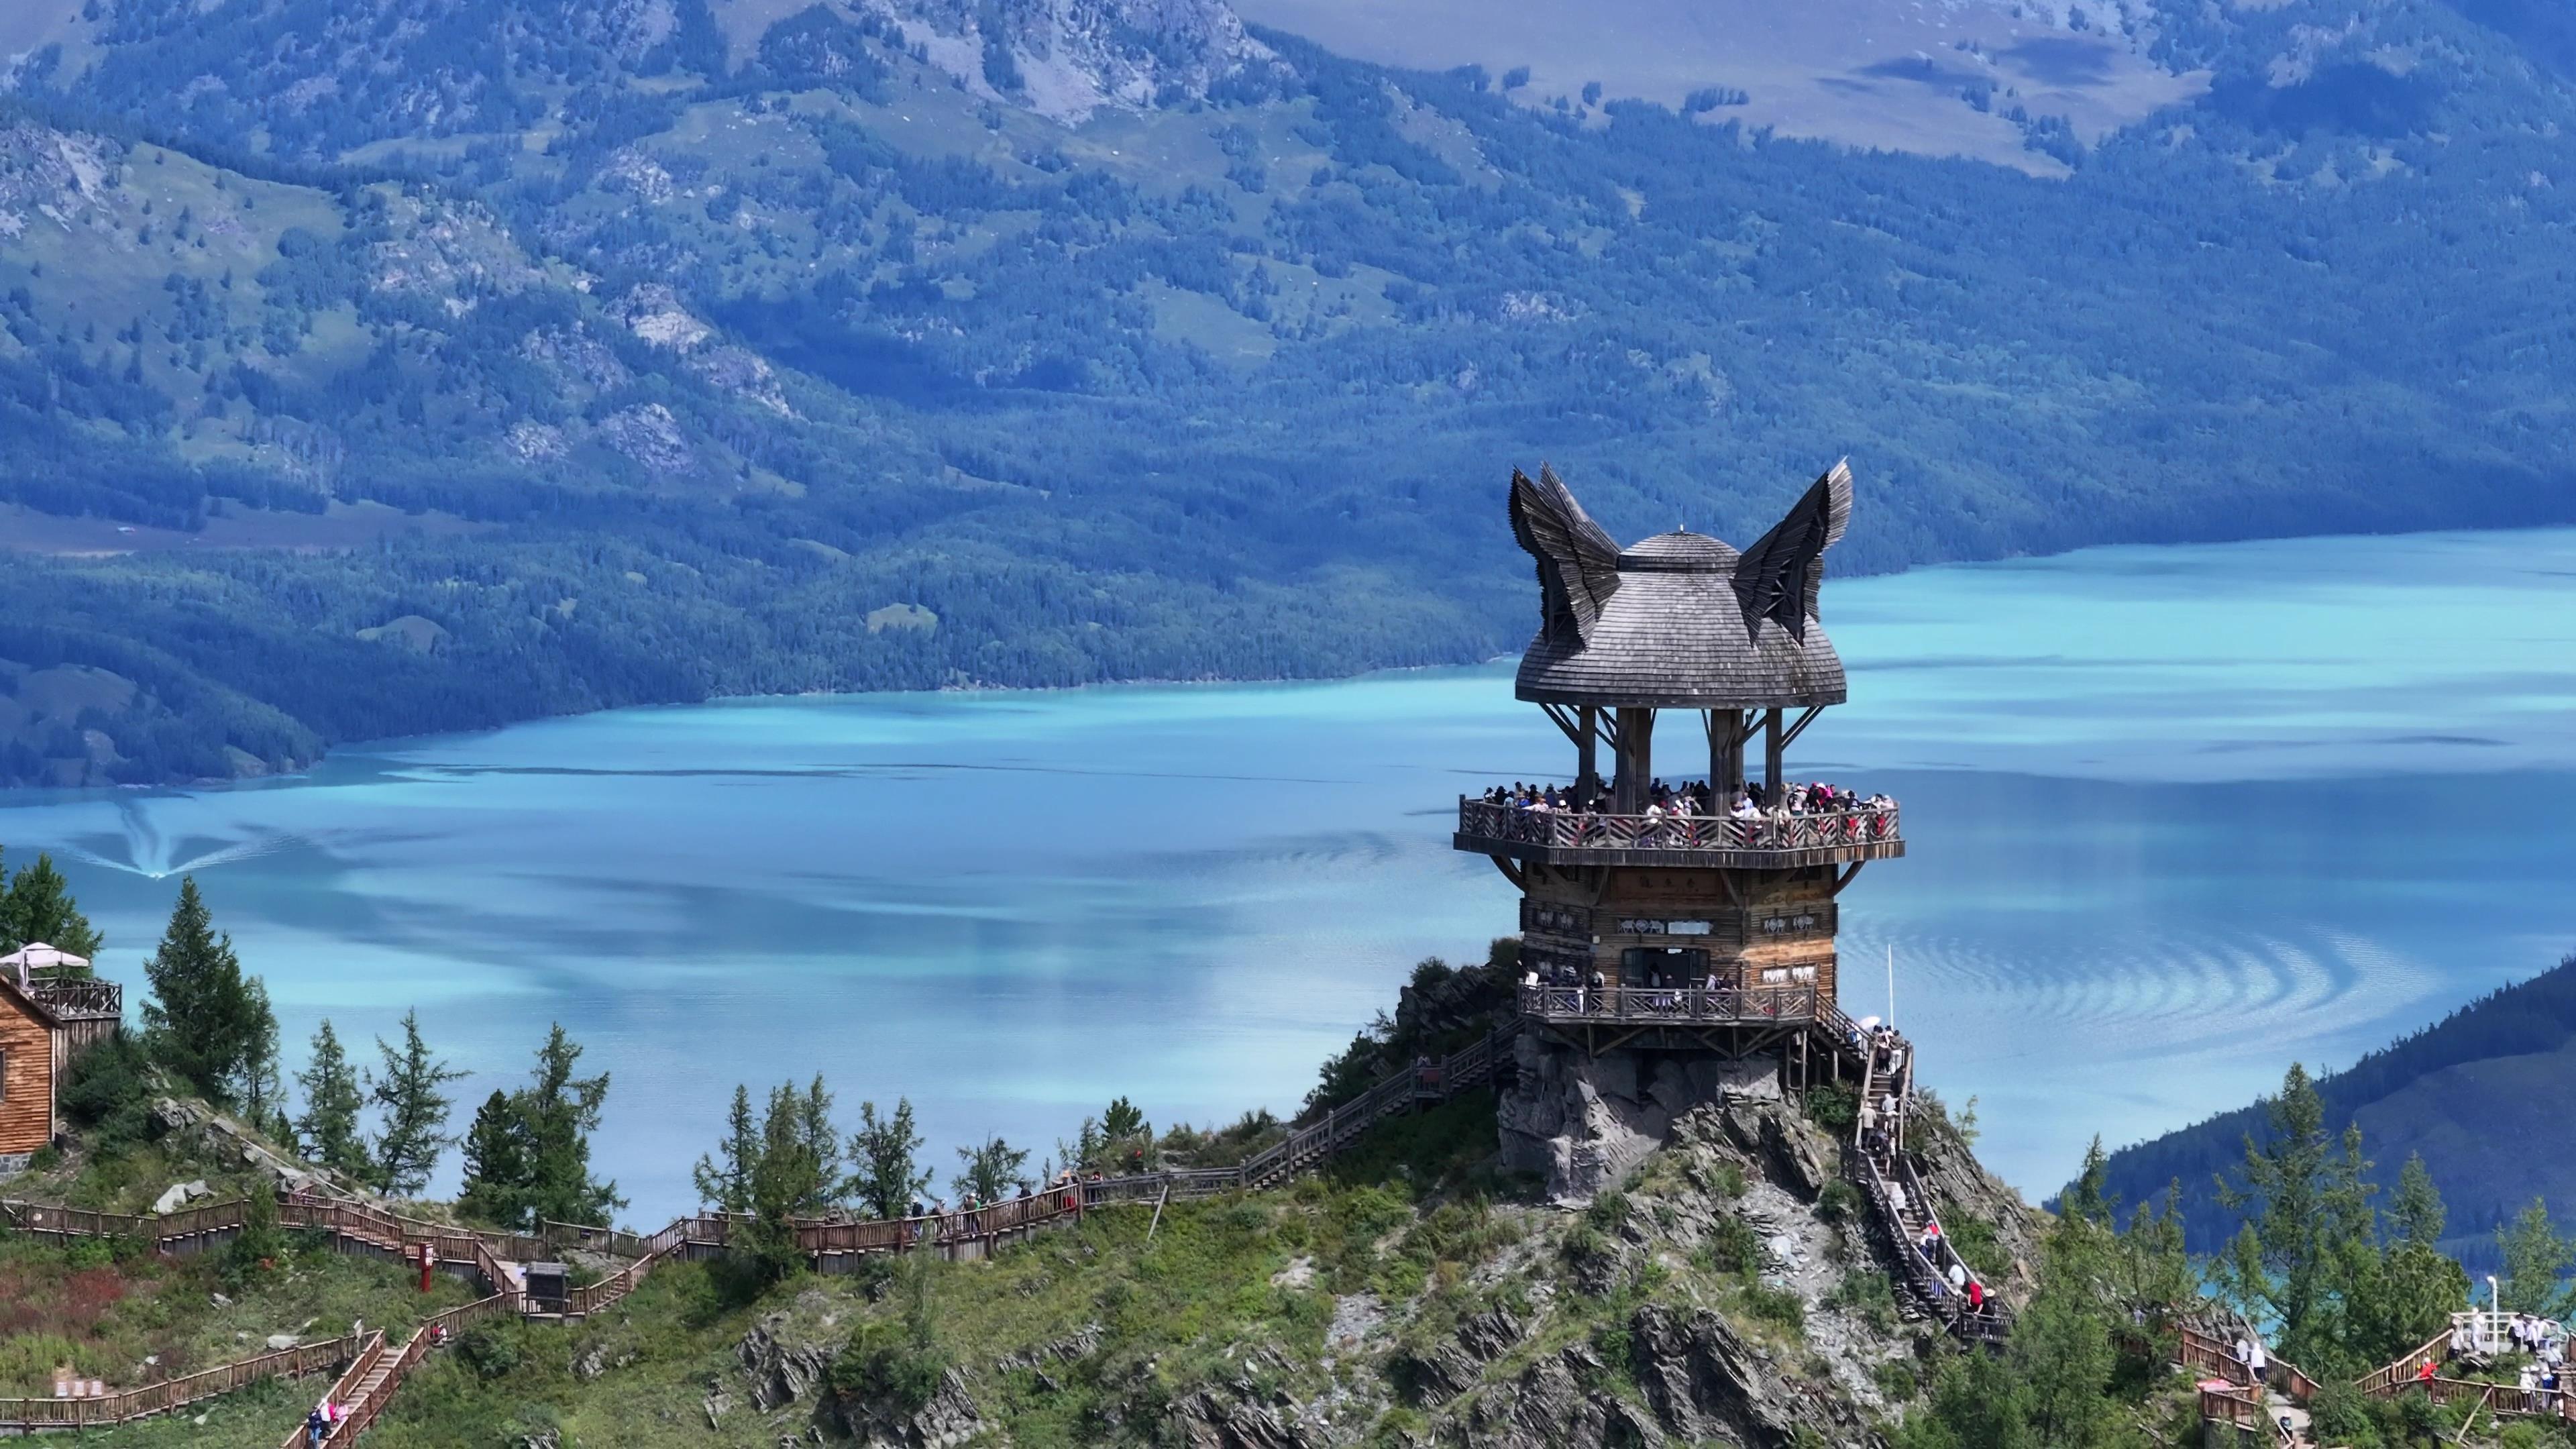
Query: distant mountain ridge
{"type": "Point", "coordinates": [2482, 1094]}
{"type": "Point", "coordinates": [661, 348]}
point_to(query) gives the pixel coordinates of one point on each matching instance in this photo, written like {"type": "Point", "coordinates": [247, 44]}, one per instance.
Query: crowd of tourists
{"type": "Point", "coordinates": [1660, 991]}
{"type": "Point", "coordinates": [2540, 1343]}
{"type": "Point", "coordinates": [1690, 800]}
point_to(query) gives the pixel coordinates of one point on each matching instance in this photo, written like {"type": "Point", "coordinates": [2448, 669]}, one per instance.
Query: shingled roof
{"type": "Point", "coordinates": [1679, 620]}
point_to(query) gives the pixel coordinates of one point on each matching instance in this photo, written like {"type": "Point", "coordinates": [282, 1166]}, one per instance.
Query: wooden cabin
{"type": "Point", "coordinates": [51, 1011]}
{"type": "Point", "coordinates": [27, 1076]}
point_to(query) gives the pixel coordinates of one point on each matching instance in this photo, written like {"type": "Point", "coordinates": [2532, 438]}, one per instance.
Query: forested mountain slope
{"type": "Point", "coordinates": [2482, 1095]}
{"type": "Point", "coordinates": [513, 356]}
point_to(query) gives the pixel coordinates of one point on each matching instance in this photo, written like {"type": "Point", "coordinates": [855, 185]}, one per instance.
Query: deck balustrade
{"type": "Point", "coordinates": [1864, 833]}
{"type": "Point", "coordinates": [1724, 1005]}
{"type": "Point", "coordinates": [76, 997]}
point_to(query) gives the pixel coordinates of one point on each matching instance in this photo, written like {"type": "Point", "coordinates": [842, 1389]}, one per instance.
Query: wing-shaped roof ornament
{"type": "Point", "coordinates": [1578, 565]}
{"type": "Point", "coordinates": [1779, 578]}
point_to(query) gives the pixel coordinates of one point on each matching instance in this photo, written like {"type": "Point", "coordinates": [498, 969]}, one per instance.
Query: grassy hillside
{"type": "Point", "coordinates": [661, 351]}
{"type": "Point", "coordinates": [2481, 1094]}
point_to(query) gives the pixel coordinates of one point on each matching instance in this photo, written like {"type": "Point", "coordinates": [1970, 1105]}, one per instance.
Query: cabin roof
{"type": "Point", "coordinates": [12, 994]}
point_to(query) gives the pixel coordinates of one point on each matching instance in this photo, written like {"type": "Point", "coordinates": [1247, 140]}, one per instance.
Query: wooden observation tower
{"type": "Point", "coordinates": [1682, 918]}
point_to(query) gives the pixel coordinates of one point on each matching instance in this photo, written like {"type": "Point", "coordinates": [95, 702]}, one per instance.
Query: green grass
{"type": "Point", "coordinates": [106, 1308]}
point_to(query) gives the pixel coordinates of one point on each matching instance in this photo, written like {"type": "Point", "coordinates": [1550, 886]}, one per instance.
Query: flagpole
{"type": "Point", "coordinates": [1891, 983]}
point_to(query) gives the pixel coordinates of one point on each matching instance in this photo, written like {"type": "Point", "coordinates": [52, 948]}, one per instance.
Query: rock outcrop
{"type": "Point", "coordinates": [1583, 1121]}
{"type": "Point", "coordinates": [949, 1418]}
{"type": "Point", "coordinates": [1065, 59]}
{"type": "Point", "coordinates": [781, 1370]}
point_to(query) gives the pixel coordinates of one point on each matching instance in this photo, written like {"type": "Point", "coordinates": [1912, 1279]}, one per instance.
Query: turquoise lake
{"type": "Point", "coordinates": [2177, 816]}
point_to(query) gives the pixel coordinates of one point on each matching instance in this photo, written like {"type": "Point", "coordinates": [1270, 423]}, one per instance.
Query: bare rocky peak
{"type": "Point", "coordinates": [1065, 59]}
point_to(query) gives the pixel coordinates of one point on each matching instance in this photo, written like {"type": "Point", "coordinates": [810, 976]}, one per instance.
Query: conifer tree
{"type": "Point", "coordinates": [991, 1171]}
{"type": "Point", "coordinates": [788, 1180]}
{"type": "Point", "coordinates": [496, 1164]}
{"type": "Point", "coordinates": [821, 1141]}
{"type": "Point", "coordinates": [527, 1158]}
{"type": "Point", "coordinates": [723, 1179]}
{"type": "Point", "coordinates": [2408, 1294]}
{"type": "Point", "coordinates": [2308, 1227]}
{"type": "Point", "coordinates": [204, 1022]}
{"type": "Point", "coordinates": [38, 907]}
{"type": "Point", "coordinates": [2086, 1199]}
{"type": "Point", "coordinates": [328, 1129]}
{"type": "Point", "coordinates": [2416, 1211]}
{"type": "Point", "coordinates": [258, 1087]}
{"type": "Point", "coordinates": [886, 1151]}
{"type": "Point", "coordinates": [2536, 1263]}
{"type": "Point", "coordinates": [414, 1134]}
{"type": "Point", "coordinates": [560, 1111]}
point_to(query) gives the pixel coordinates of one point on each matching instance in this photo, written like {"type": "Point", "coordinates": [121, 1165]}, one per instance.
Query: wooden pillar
{"type": "Point", "coordinates": [1774, 788]}
{"type": "Point", "coordinates": [1636, 759]}
{"type": "Point", "coordinates": [1735, 727]}
{"type": "Point", "coordinates": [1587, 778]}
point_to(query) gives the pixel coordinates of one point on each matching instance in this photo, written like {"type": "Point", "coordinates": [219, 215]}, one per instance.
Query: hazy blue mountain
{"type": "Point", "coordinates": [426, 365]}
{"type": "Point", "coordinates": [2482, 1094]}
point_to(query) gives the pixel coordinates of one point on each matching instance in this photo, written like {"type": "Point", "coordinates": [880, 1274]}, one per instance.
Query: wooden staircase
{"type": "Point", "coordinates": [1424, 1083]}
{"type": "Point", "coordinates": [1883, 1168]}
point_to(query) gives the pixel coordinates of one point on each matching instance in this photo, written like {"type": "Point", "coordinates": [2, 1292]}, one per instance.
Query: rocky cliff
{"type": "Point", "coordinates": [1720, 1290]}
{"type": "Point", "coordinates": [1068, 58]}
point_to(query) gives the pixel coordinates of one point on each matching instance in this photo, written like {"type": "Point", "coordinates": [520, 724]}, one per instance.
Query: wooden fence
{"type": "Point", "coordinates": [30, 1415]}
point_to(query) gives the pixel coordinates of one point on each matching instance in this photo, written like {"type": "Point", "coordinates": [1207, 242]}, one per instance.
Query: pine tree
{"type": "Point", "coordinates": [328, 1129]}
{"type": "Point", "coordinates": [725, 1184]}
{"type": "Point", "coordinates": [2086, 1199]}
{"type": "Point", "coordinates": [2308, 1230]}
{"type": "Point", "coordinates": [38, 907]}
{"type": "Point", "coordinates": [2536, 1263]}
{"type": "Point", "coordinates": [204, 1022]}
{"type": "Point", "coordinates": [415, 1111]}
{"type": "Point", "coordinates": [788, 1181]}
{"type": "Point", "coordinates": [2416, 1211]}
{"type": "Point", "coordinates": [990, 1172]}
{"type": "Point", "coordinates": [886, 1151]}
{"type": "Point", "coordinates": [496, 1164]}
{"type": "Point", "coordinates": [559, 1112]}
{"type": "Point", "coordinates": [821, 1142]}
{"type": "Point", "coordinates": [257, 1085]}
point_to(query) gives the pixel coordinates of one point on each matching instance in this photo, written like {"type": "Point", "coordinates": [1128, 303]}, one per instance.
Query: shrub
{"type": "Point", "coordinates": [487, 1350]}
{"type": "Point", "coordinates": [1775, 1305]}
{"type": "Point", "coordinates": [1732, 1247]}
{"type": "Point", "coordinates": [1895, 1378]}
{"type": "Point", "coordinates": [109, 1092]}
{"type": "Point", "coordinates": [2340, 1415]}
{"type": "Point", "coordinates": [260, 1240]}
{"type": "Point", "coordinates": [890, 1364]}
{"type": "Point", "coordinates": [1730, 1180]}
{"type": "Point", "coordinates": [1838, 1202]}
{"type": "Point", "coordinates": [1834, 1108]}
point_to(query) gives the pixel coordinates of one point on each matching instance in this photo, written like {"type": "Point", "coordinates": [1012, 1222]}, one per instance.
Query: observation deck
{"type": "Point", "coordinates": [1775, 840]}
{"type": "Point", "coordinates": [77, 998]}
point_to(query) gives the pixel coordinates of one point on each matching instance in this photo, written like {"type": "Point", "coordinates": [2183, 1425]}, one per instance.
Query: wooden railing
{"type": "Point", "coordinates": [30, 1415]}
{"type": "Point", "coordinates": [344, 1391]}
{"type": "Point", "coordinates": [1587, 830]}
{"type": "Point", "coordinates": [2242, 1407]}
{"type": "Point", "coordinates": [490, 1253]}
{"type": "Point", "coordinates": [1651, 1004]}
{"type": "Point", "coordinates": [1922, 1270]}
{"type": "Point", "coordinates": [76, 996]}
